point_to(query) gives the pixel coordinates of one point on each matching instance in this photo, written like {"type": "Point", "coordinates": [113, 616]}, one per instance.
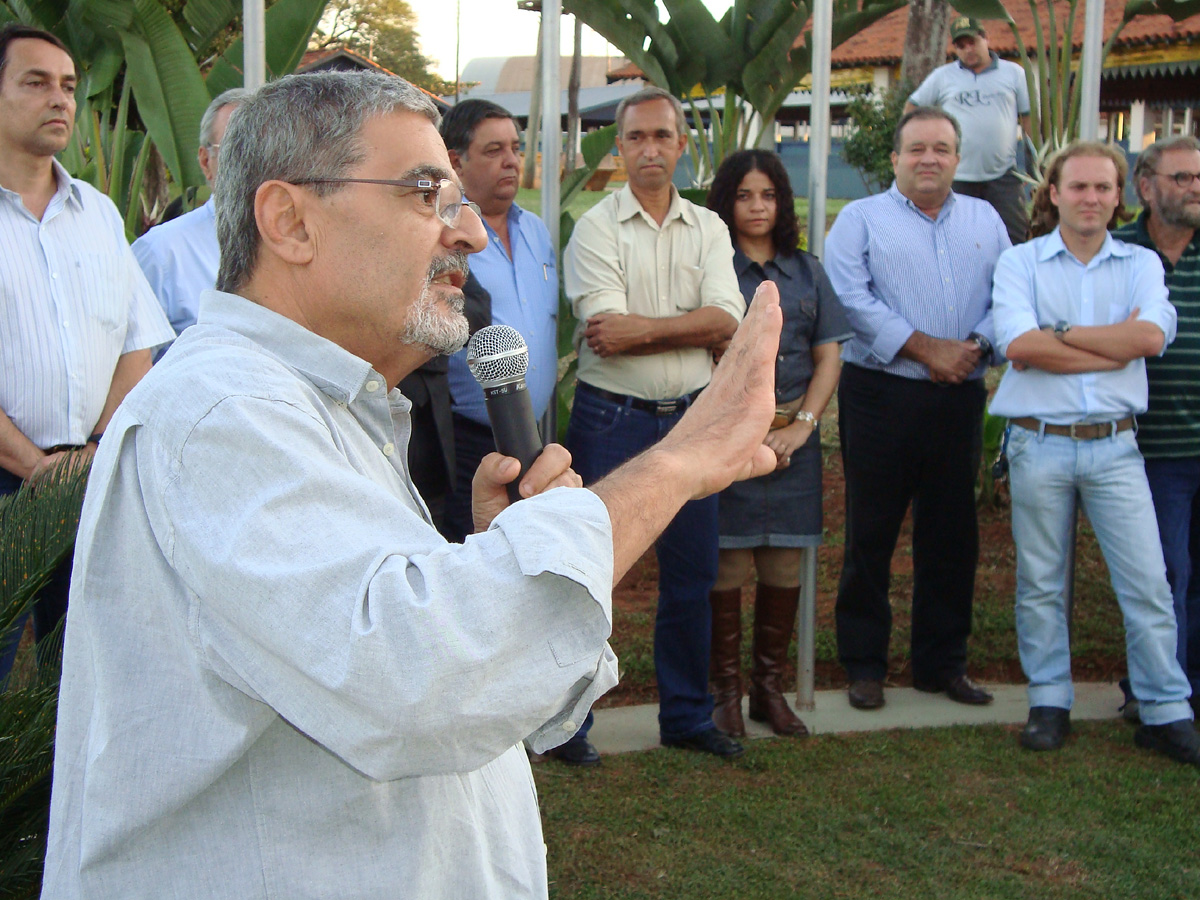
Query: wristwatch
{"type": "Point", "coordinates": [1061, 327]}
{"type": "Point", "coordinates": [984, 345]}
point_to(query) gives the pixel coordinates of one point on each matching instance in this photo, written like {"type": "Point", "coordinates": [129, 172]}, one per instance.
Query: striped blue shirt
{"type": "Point", "coordinates": [72, 301]}
{"type": "Point", "coordinates": [897, 271]}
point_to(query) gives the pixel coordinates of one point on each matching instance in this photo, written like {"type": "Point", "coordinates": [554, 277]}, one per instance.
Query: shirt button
{"type": "Point", "coordinates": [568, 725]}
{"type": "Point", "coordinates": [372, 386]}
{"type": "Point", "coordinates": [389, 449]}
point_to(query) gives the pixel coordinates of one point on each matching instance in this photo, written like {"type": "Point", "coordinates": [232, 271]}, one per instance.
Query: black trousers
{"type": "Point", "coordinates": [908, 441]}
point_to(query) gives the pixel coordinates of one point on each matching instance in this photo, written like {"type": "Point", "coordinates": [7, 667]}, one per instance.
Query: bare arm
{"type": "Point", "coordinates": [909, 106]}
{"type": "Point", "coordinates": [719, 439]}
{"type": "Point", "coordinates": [948, 360]}
{"type": "Point", "coordinates": [610, 334]}
{"type": "Point", "coordinates": [1122, 342]}
{"type": "Point", "coordinates": [18, 454]}
{"type": "Point", "coordinates": [1042, 350]}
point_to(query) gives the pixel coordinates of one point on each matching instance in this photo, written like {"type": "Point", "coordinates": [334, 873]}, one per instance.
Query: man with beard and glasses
{"type": "Point", "coordinates": [279, 679]}
{"type": "Point", "coordinates": [1167, 180]}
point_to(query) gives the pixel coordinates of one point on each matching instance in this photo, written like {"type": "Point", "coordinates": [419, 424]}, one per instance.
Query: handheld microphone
{"type": "Point", "coordinates": [498, 358]}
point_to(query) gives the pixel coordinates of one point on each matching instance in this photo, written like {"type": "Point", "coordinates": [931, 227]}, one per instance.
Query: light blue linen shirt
{"type": "Point", "coordinates": [1041, 283]}
{"type": "Point", "coordinates": [524, 293]}
{"type": "Point", "coordinates": [72, 302]}
{"type": "Point", "coordinates": [279, 680]}
{"type": "Point", "coordinates": [180, 260]}
{"type": "Point", "coordinates": [897, 271]}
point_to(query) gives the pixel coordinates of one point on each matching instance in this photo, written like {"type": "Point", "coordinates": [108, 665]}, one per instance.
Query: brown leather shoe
{"type": "Point", "coordinates": [958, 688]}
{"type": "Point", "coordinates": [866, 693]}
{"type": "Point", "coordinates": [725, 661]}
{"type": "Point", "coordinates": [774, 622]}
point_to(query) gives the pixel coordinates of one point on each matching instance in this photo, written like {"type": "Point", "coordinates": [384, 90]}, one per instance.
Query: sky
{"type": "Point", "coordinates": [498, 28]}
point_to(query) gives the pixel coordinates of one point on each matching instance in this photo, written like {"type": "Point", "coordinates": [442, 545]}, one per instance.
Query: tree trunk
{"type": "Point", "coordinates": [925, 40]}
{"type": "Point", "coordinates": [535, 116]}
{"type": "Point", "coordinates": [573, 99]}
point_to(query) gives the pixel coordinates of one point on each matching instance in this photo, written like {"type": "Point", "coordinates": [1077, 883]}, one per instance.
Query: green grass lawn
{"type": "Point", "coordinates": [942, 813]}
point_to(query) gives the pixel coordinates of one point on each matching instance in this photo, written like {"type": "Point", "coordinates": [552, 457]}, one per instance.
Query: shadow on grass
{"type": "Point", "coordinates": [955, 812]}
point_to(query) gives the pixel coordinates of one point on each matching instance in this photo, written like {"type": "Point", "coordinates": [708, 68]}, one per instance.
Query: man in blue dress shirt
{"type": "Point", "coordinates": [514, 282]}
{"type": "Point", "coordinates": [1077, 313]}
{"type": "Point", "coordinates": [180, 257]}
{"type": "Point", "coordinates": [913, 268]}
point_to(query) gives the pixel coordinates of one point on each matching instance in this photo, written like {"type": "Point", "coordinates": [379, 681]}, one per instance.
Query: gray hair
{"type": "Point", "coordinates": [296, 128]}
{"type": "Point", "coordinates": [231, 97]}
{"type": "Point", "coordinates": [1148, 159]}
{"type": "Point", "coordinates": [646, 95]}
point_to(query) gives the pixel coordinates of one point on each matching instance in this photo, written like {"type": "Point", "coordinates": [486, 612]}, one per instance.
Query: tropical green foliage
{"type": "Point", "coordinates": [147, 73]}
{"type": "Point", "coordinates": [1054, 117]}
{"type": "Point", "coordinates": [738, 71]}
{"type": "Point", "coordinates": [869, 146]}
{"type": "Point", "coordinates": [37, 532]}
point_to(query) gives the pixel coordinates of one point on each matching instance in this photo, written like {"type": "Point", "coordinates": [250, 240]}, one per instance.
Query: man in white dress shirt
{"type": "Point", "coordinates": [180, 257]}
{"type": "Point", "coordinates": [279, 680]}
{"type": "Point", "coordinates": [77, 319]}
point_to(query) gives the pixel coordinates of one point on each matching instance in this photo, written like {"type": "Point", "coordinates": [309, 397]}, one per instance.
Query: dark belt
{"type": "Point", "coordinates": [658, 407]}
{"type": "Point", "coordinates": [1078, 431]}
{"type": "Point", "coordinates": [60, 448]}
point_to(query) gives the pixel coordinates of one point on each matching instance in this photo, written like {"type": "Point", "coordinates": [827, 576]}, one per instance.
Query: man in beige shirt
{"type": "Point", "coordinates": [651, 280]}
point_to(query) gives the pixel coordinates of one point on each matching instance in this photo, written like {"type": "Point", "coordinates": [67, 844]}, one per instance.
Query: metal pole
{"type": "Point", "coordinates": [818, 145]}
{"type": "Point", "coordinates": [806, 623]}
{"type": "Point", "coordinates": [254, 45]}
{"type": "Point", "coordinates": [551, 114]}
{"type": "Point", "coordinates": [1089, 70]}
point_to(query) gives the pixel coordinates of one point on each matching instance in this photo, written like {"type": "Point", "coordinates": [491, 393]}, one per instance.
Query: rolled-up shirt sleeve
{"type": "Point", "coordinates": [592, 273]}
{"type": "Point", "coordinates": [330, 600]}
{"type": "Point", "coordinates": [719, 286]}
{"type": "Point", "coordinates": [847, 261]}
{"type": "Point", "coordinates": [1013, 296]}
{"type": "Point", "coordinates": [1149, 292]}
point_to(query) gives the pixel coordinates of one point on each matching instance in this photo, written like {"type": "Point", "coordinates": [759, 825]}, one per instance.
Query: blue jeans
{"type": "Point", "coordinates": [1175, 487]}
{"type": "Point", "coordinates": [1047, 471]}
{"type": "Point", "coordinates": [602, 435]}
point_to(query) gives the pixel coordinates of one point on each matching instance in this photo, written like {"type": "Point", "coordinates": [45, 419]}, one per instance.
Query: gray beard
{"type": "Point", "coordinates": [430, 324]}
{"type": "Point", "coordinates": [1179, 216]}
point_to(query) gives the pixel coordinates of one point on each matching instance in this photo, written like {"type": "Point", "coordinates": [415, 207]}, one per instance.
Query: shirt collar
{"type": "Point", "coordinates": [1052, 246]}
{"type": "Point", "coordinates": [333, 370]}
{"type": "Point", "coordinates": [788, 266]}
{"type": "Point", "coordinates": [1141, 235]}
{"type": "Point", "coordinates": [68, 188]}
{"type": "Point", "coordinates": [904, 201]}
{"type": "Point", "coordinates": [629, 206]}
{"type": "Point", "coordinates": [995, 64]}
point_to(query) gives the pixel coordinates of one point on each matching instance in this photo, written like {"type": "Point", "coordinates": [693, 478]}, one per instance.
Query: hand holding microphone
{"type": "Point", "coordinates": [498, 358]}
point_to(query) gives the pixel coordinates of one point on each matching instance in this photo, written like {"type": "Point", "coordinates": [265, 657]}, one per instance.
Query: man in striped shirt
{"type": "Point", "coordinates": [77, 319]}
{"type": "Point", "coordinates": [1167, 180]}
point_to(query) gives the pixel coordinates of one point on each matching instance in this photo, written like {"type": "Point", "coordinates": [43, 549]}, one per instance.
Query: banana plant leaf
{"type": "Point", "coordinates": [289, 25]}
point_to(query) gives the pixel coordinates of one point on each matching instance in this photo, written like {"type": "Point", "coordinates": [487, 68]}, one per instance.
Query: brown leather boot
{"type": "Point", "coordinates": [774, 622]}
{"type": "Point", "coordinates": [725, 664]}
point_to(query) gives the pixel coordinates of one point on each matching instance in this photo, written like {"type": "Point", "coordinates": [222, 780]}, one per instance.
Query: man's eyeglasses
{"type": "Point", "coordinates": [1181, 179]}
{"type": "Point", "coordinates": [443, 195]}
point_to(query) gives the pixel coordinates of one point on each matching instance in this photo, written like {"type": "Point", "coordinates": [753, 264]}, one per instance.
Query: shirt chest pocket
{"type": "Point", "coordinates": [98, 290]}
{"type": "Point", "coordinates": [684, 285]}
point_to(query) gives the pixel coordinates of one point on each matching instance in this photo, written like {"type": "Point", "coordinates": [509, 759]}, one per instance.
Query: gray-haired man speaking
{"type": "Point", "coordinates": [279, 679]}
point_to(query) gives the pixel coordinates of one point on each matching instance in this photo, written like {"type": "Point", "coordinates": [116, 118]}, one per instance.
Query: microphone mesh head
{"type": "Point", "coordinates": [496, 354]}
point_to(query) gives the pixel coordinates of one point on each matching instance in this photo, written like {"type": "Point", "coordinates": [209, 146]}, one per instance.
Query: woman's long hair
{"type": "Point", "coordinates": [723, 194]}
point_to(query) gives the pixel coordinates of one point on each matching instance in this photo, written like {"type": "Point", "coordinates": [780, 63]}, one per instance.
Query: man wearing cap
{"type": "Point", "coordinates": [988, 96]}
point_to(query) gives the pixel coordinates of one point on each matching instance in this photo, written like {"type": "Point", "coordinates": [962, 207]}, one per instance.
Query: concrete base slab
{"type": "Point", "coordinates": [630, 728]}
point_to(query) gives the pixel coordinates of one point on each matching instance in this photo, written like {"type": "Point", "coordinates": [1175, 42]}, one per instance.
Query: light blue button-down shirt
{"type": "Point", "coordinates": [180, 260]}
{"type": "Point", "coordinates": [524, 293]}
{"type": "Point", "coordinates": [279, 680]}
{"type": "Point", "coordinates": [72, 301]}
{"type": "Point", "coordinates": [1041, 283]}
{"type": "Point", "coordinates": [896, 270]}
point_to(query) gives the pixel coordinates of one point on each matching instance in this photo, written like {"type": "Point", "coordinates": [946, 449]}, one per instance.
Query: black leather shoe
{"type": "Point", "coordinates": [866, 693]}
{"type": "Point", "coordinates": [1047, 728]}
{"type": "Point", "coordinates": [718, 743]}
{"type": "Point", "coordinates": [958, 688]}
{"type": "Point", "coordinates": [1177, 740]}
{"type": "Point", "coordinates": [578, 751]}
